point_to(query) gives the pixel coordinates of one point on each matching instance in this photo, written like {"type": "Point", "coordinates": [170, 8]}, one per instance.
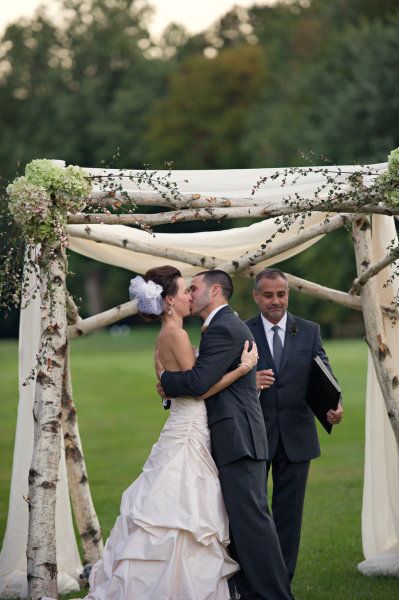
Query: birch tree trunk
{"type": "Point", "coordinates": [79, 489]}
{"type": "Point", "coordinates": [387, 372]}
{"type": "Point", "coordinates": [43, 474]}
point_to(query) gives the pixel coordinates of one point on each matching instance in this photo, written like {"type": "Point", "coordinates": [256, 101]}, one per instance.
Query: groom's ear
{"type": "Point", "coordinates": [215, 289]}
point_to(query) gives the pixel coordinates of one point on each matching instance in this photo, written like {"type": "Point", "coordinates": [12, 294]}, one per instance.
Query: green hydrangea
{"type": "Point", "coordinates": [41, 199]}
{"type": "Point", "coordinates": [71, 180]}
{"type": "Point", "coordinates": [387, 184]}
{"type": "Point", "coordinates": [392, 197]}
{"type": "Point", "coordinates": [393, 162]}
{"type": "Point", "coordinates": [28, 202]}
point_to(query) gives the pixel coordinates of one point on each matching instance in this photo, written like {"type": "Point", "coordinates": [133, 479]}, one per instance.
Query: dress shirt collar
{"type": "Point", "coordinates": [212, 314]}
{"type": "Point", "coordinates": [268, 325]}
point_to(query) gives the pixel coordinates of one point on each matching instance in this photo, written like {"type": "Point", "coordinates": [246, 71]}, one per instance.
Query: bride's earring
{"type": "Point", "coordinates": [170, 311]}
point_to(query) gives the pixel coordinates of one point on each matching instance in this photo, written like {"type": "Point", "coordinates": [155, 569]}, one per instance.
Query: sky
{"type": "Point", "coordinates": [195, 15]}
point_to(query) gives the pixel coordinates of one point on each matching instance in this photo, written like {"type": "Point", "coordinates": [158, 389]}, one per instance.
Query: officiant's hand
{"type": "Point", "coordinates": [335, 416]}
{"type": "Point", "coordinates": [159, 368]}
{"type": "Point", "coordinates": [264, 379]}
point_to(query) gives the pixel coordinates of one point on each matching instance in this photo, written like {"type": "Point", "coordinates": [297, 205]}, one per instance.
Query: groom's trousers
{"type": "Point", "coordinates": [255, 544]}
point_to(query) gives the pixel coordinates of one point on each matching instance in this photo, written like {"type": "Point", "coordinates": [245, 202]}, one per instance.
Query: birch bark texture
{"type": "Point", "coordinates": [78, 481]}
{"type": "Point", "coordinates": [386, 370]}
{"type": "Point", "coordinates": [43, 473]}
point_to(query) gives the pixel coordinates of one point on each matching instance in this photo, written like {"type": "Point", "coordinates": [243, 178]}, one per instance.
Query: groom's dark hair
{"type": "Point", "coordinates": [218, 277]}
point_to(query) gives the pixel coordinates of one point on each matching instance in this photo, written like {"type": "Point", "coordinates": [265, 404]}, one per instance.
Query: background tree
{"type": "Point", "coordinates": [251, 91]}
{"type": "Point", "coordinates": [80, 89]}
{"type": "Point", "coordinates": [202, 118]}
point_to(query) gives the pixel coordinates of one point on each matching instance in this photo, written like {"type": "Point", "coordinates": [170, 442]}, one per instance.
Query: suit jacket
{"type": "Point", "coordinates": [234, 415]}
{"type": "Point", "coordinates": [284, 406]}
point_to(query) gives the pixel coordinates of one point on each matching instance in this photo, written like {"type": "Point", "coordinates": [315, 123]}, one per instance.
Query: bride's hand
{"type": "Point", "coordinates": [249, 358]}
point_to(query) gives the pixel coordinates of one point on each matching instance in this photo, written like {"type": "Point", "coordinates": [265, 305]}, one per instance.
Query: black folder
{"type": "Point", "coordinates": [323, 392]}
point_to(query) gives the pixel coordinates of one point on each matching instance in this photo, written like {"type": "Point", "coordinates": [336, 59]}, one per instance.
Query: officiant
{"type": "Point", "coordinates": [287, 345]}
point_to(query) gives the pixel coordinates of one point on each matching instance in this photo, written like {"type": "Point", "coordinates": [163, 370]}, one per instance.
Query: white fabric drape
{"type": "Point", "coordinates": [380, 515]}
{"type": "Point", "coordinates": [223, 245]}
{"type": "Point", "coordinates": [13, 582]}
{"type": "Point", "coordinates": [238, 183]}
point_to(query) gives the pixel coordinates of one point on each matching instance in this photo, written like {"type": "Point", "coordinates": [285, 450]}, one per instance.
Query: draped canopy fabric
{"type": "Point", "coordinates": [237, 184]}
{"type": "Point", "coordinates": [223, 245]}
{"type": "Point", "coordinates": [380, 515]}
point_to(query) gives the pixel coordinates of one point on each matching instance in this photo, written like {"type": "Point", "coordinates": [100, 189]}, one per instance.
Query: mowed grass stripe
{"type": "Point", "coordinates": [120, 417]}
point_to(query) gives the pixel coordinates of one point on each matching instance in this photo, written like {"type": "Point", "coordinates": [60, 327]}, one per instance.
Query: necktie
{"type": "Point", "coordinates": [277, 347]}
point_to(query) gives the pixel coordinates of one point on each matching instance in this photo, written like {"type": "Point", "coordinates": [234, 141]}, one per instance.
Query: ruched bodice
{"type": "Point", "coordinates": [189, 409]}
{"type": "Point", "coordinates": [170, 539]}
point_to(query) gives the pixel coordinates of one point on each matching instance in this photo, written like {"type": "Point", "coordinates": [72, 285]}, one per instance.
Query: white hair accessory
{"type": "Point", "coordinates": [147, 294]}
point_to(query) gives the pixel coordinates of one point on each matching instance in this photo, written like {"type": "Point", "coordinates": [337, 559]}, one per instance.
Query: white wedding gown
{"type": "Point", "coordinates": [169, 542]}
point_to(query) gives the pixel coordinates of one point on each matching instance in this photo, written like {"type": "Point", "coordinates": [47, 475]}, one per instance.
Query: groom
{"type": "Point", "coordinates": [238, 436]}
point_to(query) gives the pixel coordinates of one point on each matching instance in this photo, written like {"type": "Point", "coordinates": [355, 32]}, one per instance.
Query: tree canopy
{"type": "Point", "coordinates": [253, 90]}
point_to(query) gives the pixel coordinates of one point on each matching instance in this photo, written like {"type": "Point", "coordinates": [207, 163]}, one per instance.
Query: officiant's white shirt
{"type": "Point", "coordinates": [268, 327]}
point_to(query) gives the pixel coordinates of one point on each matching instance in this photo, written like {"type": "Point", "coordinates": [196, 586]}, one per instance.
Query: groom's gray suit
{"type": "Point", "coordinates": [239, 448]}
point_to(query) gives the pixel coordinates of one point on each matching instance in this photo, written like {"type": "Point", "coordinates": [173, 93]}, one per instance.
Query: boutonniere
{"type": "Point", "coordinates": [294, 329]}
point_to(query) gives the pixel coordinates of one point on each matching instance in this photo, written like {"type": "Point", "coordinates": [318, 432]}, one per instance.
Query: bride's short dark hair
{"type": "Point", "coordinates": [167, 277]}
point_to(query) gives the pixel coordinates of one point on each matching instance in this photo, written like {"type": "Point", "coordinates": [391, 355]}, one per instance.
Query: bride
{"type": "Point", "coordinates": [169, 541]}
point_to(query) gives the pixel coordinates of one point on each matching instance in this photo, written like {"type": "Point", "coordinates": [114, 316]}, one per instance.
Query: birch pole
{"type": "Point", "coordinates": [84, 326]}
{"type": "Point", "coordinates": [78, 481]}
{"type": "Point", "coordinates": [43, 473]}
{"type": "Point", "coordinates": [223, 212]}
{"type": "Point", "coordinates": [387, 372]}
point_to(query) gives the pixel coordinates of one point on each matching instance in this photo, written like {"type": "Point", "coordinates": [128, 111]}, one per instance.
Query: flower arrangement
{"type": "Point", "coordinates": [41, 199]}
{"type": "Point", "coordinates": [388, 182]}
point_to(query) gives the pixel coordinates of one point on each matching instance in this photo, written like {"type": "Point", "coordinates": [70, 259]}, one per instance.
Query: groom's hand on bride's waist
{"type": "Point", "coordinates": [165, 400]}
{"type": "Point", "coordinates": [160, 390]}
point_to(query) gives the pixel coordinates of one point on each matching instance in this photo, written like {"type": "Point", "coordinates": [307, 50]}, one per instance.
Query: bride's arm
{"type": "Point", "coordinates": [184, 355]}
{"type": "Point", "coordinates": [249, 358]}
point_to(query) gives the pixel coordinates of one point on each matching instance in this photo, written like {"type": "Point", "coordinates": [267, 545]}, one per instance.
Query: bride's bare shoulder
{"type": "Point", "coordinates": [173, 335]}
{"type": "Point", "coordinates": [174, 346]}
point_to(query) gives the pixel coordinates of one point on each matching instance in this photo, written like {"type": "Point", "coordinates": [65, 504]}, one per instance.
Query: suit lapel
{"type": "Point", "coordinates": [261, 341]}
{"type": "Point", "coordinates": [289, 340]}
{"type": "Point", "coordinates": [223, 311]}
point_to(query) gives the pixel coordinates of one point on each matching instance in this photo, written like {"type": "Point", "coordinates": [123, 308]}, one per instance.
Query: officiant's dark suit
{"type": "Point", "coordinates": [239, 449]}
{"type": "Point", "coordinates": [290, 425]}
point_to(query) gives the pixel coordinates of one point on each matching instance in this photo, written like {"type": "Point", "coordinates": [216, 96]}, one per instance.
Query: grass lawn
{"type": "Point", "coordinates": [120, 418]}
